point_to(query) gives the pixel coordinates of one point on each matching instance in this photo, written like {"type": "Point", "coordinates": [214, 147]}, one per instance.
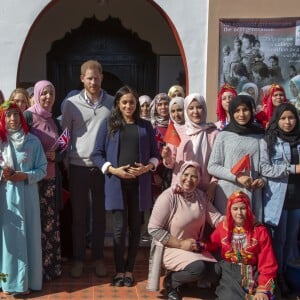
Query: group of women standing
{"type": "Point", "coordinates": [137, 162]}
{"type": "Point", "coordinates": [268, 178]}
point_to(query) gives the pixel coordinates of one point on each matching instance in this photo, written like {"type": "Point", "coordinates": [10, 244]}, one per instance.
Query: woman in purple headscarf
{"type": "Point", "coordinates": [47, 129]}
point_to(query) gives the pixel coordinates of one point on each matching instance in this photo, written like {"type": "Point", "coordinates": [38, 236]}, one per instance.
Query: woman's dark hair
{"type": "Point", "coordinates": [116, 120]}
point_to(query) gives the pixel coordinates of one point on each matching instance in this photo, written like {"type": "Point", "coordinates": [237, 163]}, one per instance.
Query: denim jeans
{"type": "Point", "coordinates": [285, 238]}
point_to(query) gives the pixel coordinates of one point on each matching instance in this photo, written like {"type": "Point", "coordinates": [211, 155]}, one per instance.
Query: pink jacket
{"type": "Point", "coordinates": [185, 152]}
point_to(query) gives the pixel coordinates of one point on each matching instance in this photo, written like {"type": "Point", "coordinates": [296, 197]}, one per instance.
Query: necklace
{"type": "Point", "coordinates": [238, 230]}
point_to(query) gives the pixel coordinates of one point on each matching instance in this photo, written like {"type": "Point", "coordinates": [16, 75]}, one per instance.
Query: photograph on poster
{"type": "Point", "coordinates": [260, 52]}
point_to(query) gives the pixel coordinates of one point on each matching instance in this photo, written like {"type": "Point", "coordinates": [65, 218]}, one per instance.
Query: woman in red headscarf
{"type": "Point", "coordinates": [273, 98]}
{"type": "Point", "coordinates": [248, 265]}
{"type": "Point", "coordinates": [22, 165]}
{"type": "Point", "coordinates": [226, 94]}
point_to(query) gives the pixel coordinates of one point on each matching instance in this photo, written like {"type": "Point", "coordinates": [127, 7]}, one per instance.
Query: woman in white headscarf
{"type": "Point", "coordinates": [145, 101]}
{"type": "Point", "coordinates": [196, 142]}
{"type": "Point", "coordinates": [177, 222]}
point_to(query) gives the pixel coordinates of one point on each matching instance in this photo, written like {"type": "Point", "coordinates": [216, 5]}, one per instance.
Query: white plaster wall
{"type": "Point", "coordinates": [16, 17]}
{"type": "Point", "coordinates": [191, 20]}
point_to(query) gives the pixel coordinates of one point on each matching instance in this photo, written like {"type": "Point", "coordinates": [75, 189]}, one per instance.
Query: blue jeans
{"type": "Point", "coordinates": [285, 238]}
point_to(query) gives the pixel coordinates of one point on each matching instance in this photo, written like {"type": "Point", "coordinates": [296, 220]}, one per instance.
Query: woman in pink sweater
{"type": "Point", "coordinates": [177, 222]}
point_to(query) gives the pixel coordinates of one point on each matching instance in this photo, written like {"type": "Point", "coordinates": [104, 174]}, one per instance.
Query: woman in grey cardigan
{"type": "Point", "coordinates": [239, 138]}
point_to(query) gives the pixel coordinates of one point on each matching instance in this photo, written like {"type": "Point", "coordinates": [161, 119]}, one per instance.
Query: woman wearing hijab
{"type": "Point", "coordinates": [47, 129]}
{"type": "Point", "coordinates": [274, 97]}
{"type": "Point", "coordinates": [226, 94]}
{"type": "Point", "coordinates": [280, 164]}
{"type": "Point", "coordinates": [177, 222]}
{"type": "Point", "coordinates": [145, 102]}
{"type": "Point", "coordinates": [176, 110]}
{"type": "Point", "coordinates": [196, 143]}
{"type": "Point", "coordinates": [294, 85]}
{"type": "Point", "coordinates": [176, 91]}
{"type": "Point", "coordinates": [238, 140]}
{"type": "Point", "coordinates": [248, 264]}
{"type": "Point", "coordinates": [22, 165]}
{"type": "Point", "coordinates": [160, 118]}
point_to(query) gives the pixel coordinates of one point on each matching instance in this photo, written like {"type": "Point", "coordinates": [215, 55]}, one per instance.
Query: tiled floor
{"type": "Point", "coordinates": [90, 287]}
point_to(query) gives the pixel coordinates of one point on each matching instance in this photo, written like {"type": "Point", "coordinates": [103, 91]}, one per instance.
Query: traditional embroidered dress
{"type": "Point", "coordinates": [248, 262]}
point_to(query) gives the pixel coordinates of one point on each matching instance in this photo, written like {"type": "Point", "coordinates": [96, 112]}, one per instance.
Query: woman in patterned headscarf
{"type": "Point", "coordinates": [160, 117]}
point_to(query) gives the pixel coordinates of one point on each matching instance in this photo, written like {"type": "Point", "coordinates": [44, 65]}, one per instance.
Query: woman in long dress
{"type": "Point", "coordinates": [22, 165]}
{"type": "Point", "coordinates": [47, 129]}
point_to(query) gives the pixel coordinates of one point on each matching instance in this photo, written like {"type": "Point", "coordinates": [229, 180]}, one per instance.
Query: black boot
{"type": "Point", "coordinates": [167, 283]}
{"type": "Point", "coordinates": [284, 289]}
{"type": "Point", "coordinates": [174, 295]}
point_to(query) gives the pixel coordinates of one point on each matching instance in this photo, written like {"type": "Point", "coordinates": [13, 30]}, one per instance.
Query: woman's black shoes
{"type": "Point", "coordinates": [122, 281]}
{"type": "Point", "coordinates": [118, 281]}
{"type": "Point", "coordinates": [128, 281]}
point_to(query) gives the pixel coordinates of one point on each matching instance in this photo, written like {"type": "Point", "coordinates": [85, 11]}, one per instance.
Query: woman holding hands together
{"type": "Point", "coordinates": [126, 151]}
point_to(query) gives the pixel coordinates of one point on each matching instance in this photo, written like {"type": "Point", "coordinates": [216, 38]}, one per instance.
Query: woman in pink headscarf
{"type": "Point", "coordinates": [47, 129]}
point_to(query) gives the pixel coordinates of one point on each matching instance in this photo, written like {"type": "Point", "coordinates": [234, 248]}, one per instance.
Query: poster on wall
{"type": "Point", "coordinates": [259, 51]}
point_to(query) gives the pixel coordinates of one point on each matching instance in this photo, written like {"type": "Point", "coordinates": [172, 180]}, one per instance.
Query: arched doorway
{"type": "Point", "coordinates": [126, 59]}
